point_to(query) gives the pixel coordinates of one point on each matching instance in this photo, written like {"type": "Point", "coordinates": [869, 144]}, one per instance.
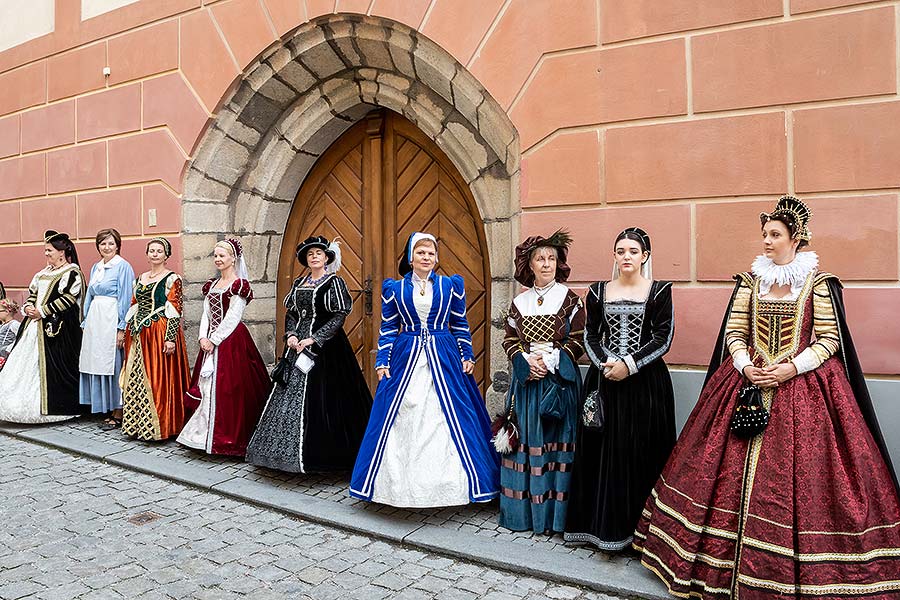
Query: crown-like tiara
{"type": "Point", "coordinates": [793, 210]}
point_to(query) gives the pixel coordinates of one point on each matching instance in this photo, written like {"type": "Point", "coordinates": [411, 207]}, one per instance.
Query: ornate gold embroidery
{"type": "Point", "coordinates": [777, 324]}
{"type": "Point", "coordinates": [139, 418]}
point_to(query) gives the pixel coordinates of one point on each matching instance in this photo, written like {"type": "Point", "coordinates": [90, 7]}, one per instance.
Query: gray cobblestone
{"type": "Point", "coordinates": [60, 542]}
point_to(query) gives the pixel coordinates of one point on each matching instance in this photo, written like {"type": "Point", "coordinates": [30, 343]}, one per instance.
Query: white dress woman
{"type": "Point", "coordinates": [39, 382]}
{"type": "Point", "coordinates": [427, 443]}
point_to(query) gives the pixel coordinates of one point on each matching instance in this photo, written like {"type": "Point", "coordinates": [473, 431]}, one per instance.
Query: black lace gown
{"type": "Point", "coordinates": [316, 422]}
{"type": "Point", "coordinates": [615, 469]}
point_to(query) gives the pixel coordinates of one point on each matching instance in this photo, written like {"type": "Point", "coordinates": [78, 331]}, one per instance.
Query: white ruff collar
{"type": "Point", "coordinates": [794, 273]}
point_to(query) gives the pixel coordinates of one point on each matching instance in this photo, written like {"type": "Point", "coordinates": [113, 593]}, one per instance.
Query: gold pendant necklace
{"type": "Point", "coordinates": [540, 296]}
{"type": "Point", "coordinates": [420, 283]}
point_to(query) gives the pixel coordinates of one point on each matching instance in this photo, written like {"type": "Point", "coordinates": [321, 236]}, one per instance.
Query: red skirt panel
{"type": "Point", "coordinates": [807, 509]}
{"type": "Point", "coordinates": [242, 387]}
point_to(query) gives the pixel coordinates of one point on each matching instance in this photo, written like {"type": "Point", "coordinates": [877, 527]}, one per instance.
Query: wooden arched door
{"type": "Point", "coordinates": [379, 182]}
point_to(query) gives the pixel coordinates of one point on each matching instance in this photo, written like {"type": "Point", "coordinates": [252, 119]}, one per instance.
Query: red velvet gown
{"type": "Point", "coordinates": [227, 405]}
{"type": "Point", "coordinates": [806, 509]}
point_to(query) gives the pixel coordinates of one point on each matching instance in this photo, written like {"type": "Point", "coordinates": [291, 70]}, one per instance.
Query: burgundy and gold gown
{"type": "Point", "coordinates": [809, 508]}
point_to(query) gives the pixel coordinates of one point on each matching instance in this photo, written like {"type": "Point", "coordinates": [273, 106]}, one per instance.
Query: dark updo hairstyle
{"type": "Point", "coordinates": [794, 214]}
{"type": "Point", "coordinates": [114, 234]}
{"type": "Point", "coordinates": [61, 241]}
{"type": "Point", "coordinates": [635, 234]}
{"type": "Point", "coordinates": [791, 224]}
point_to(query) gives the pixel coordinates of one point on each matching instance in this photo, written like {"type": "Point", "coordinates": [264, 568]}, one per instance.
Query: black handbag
{"type": "Point", "coordinates": [750, 416]}
{"type": "Point", "coordinates": [593, 411]}
{"type": "Point", "coordinates": [282, 371]}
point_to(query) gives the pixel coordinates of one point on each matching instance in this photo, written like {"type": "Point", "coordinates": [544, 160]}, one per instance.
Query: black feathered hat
{"type": "Point", "coordinates": [315, 241]}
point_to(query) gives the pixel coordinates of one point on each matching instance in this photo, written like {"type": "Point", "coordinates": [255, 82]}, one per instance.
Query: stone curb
{"type": "Point", "coordinates": [631, 581]}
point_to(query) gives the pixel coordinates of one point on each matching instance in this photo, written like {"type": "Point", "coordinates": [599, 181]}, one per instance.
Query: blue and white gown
{"type": "Point", "coordinates": [427, 443]}
{"type": "Point", "coordinates": [106, 302]}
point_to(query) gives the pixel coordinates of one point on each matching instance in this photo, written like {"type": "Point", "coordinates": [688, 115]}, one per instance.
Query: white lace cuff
{"type": "Point", "coordinates": [806, 361]}
{"type": "Point", "coordinates": [742, 360]}
{"type": "Point", "coordinates": [629, 362]}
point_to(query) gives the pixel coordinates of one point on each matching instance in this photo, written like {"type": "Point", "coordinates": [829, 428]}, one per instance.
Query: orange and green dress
{"type": "Point", "coordinates": [153, 382]}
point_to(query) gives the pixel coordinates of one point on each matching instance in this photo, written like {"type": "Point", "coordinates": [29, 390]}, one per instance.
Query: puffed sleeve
{"type": "Point", "coordinates": [124, 291]}
{"type": "Point", "coordinates": [737, 328]}
{"type": "Point", "coordinates": [242, 289]}
{"type": "Point", "coordinates": [32, 294]}
{"type": "Point", "coordinates": [338, 302]}
{"type": "Point", "coordinates": [515, 349]}
{"type": "Point", "coordinates": [174, 305]}
{"type": "Point", "coordinates": [390, 324]}
{"type": "Point", "coordinates": [207, 286]}
{"type": "Point", "coordinates": [661, 314]}
{"type": "Point", "coordinates": [70, 287]}
{"type": "Point", "coordinates": [593, 324]}
{"type": "Point", "coordinates": [573, 345]}
{"type": "Point", "coordinates": [825, 326]}
{"type": "Point", "coordinates": [459, 324]}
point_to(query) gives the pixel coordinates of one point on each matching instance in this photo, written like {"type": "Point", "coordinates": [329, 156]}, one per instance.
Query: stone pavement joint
{"type": "Point", "coordinates": [467, 532]}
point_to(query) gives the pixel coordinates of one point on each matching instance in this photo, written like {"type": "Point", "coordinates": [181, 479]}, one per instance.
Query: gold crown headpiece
{"type": "Point", "coordinates": [794, 211]}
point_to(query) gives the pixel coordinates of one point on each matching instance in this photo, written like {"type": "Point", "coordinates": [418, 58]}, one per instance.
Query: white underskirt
{"type": "Point", "coordinates": [197, 432]}
{"type": "Point", "coordinates": [20, 381]}
{"type": "Point", "coordinates": [421, 467]}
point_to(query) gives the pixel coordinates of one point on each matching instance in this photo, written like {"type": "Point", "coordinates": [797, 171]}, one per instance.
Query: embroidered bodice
{"type": "Point", "coordinates": [317, 311]}
{"type": "Point", "coordinates": [404, 311]}
{"type": "Point", "coordinates": [221, 312]}
{"type": "Point", "coordinates": [154, 301]}
{"type": "Point", "coordinates": [637, 333]}
{"type": "Point", "coordinates": [53, 291]}
{"type": "Point", "coordinates": [624, 320]}
{"type": "Point", "coordinates": [556, 323]}
{"type": "Point", "coordinates": [765, 331]}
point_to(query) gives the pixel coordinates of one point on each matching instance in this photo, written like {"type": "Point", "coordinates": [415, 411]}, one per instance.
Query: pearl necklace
{"type": "Point", "coordinates": [546, 289]}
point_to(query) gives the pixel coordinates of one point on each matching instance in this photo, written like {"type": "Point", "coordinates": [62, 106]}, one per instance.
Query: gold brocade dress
{"type": "Point", "coordinates": [806, 509]}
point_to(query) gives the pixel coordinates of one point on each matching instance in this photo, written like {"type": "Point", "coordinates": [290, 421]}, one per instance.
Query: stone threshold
{"type": "Point", "coordinates": [629, 581]}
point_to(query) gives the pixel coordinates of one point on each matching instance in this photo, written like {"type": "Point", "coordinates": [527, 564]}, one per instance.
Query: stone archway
{"type": "Point", "coordinates": [302, 95]}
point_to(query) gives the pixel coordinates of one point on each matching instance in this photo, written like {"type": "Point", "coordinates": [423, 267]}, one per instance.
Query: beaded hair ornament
{"type": "Point", "coordinates": [795, 213]}
{"type": "Point", "coordinates": [167, 247]}
{"type": "Point", "coordinates": [237, 249]}
{"type": "Point", "coordinates": [234, 246]}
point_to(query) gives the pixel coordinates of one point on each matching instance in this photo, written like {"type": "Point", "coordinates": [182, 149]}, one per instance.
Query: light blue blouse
{"type": "Point", "coordinates": [114, 279]}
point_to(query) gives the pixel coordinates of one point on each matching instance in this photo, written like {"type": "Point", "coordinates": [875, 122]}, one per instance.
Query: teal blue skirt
{"type": "Point", "coordinates": [534, 479]}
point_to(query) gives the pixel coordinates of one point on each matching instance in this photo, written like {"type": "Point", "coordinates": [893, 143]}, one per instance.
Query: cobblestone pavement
{"type": "Point", "coordinates": [75, 528]}
{"type": "Point", "coordinates": [478, 519]}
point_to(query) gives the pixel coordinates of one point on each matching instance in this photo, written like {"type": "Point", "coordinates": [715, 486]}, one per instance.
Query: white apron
{"type": "Point", "coordinates": [98, 346]}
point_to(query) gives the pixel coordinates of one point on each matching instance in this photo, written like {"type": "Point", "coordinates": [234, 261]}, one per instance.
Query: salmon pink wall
{"type": "Point", "coordinates": [687, 117]}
